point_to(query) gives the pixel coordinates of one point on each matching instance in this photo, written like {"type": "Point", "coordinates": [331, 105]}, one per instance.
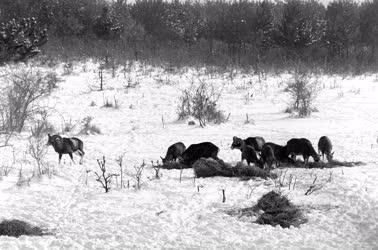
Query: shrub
{"type": "Point", "coordinates": [38, 150]}
{"type": "Point", "coordinates": [41, 126]}
{"type": "Point", "coordinates": [88, 127]}
{"type": "Point", "coordinates": [104, 178]}
{"type": "Point", "coordinates": [302, 93]}
{"type": "Point", "coordinates": [24, 87]}
{"type": "Point", "coordinates": [201, 103]}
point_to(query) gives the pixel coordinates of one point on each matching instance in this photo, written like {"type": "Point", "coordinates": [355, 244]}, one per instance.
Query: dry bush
{"type": "Point", "coordinates": [41, 126]}
{"type": "Point", "coordinates": [302, 92]}
{"type": "Point", "coordinates": [22, 180]}
{"type": "Point", "coordinates": [138, 174]}
{"type": "Point", "coordinates": [104, 178]}
{"type": "Point", "coordinates": [38, 150]}
{"type": "Point", "coordinates": [201, 103]}
{"type": "Point", "coordinates": [22, 89]}
{"type": "Point", "coordinates": [109, 104]}
{"type": "Point", "coordinates": [88, 127]}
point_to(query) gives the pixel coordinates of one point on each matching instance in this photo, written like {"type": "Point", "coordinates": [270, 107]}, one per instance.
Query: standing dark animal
{"type": "Point", "coordinates": [196, 151]}
{"type": "Point", "coordinates": [268, 156]}
{"type": "Point", "coordinates": [174, 152]}
{"type": "Point", "coordinates": [68, 146]}
{"type": "Point", "coordinates": [248, 152]}
{"type": "Point", "coordinates": [325, 148]}
{"type": "Point", "coordinates": [255, 142]}
{"type": "Point", "coordinates": [280, 153]}
{"type": "Point", "coordinates": [301, 146]}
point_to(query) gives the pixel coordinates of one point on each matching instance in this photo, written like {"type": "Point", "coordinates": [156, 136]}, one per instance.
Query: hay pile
{"type": "Point", "coordinates": [273, 209]}
{"type": "Point", "coordinates": [173, 165]}
{"type": "Point", "coordinates": [278, 210]}
{"type": "Point", "coordinates": [210, 167]}
{"type": "Point", "coordinates": [16, 228]}
{"type": "Point", "coordinates": [320, 164]}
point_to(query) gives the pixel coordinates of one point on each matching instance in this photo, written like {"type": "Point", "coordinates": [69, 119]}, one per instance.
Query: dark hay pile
{"type": "Point", "coordinates": [173, 165]}
{"type": "Point", "coordinates": [210, 167]}
{"type": "Point", "coordinates": [16, 228]}
{"type": "Point", "coordinates": [320, 164]}
{"type": "Point", "coordinates": [278, 210]}
{"type": "Point", "coordinates": [273, 209]}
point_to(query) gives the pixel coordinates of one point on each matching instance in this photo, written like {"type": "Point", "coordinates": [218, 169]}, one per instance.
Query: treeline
{"type": "Point", "coordinates": [341, 36]}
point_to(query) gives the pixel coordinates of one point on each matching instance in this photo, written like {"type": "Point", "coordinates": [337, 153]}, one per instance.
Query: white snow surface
{"type": "Point", "coordinates": [168, 214]}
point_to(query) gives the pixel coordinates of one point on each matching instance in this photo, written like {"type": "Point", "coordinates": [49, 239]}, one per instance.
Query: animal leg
{"type": "Point", "coordinates": [60, 158]}
{"type": "Point", "coordinates": [305, 159]}
{"type": "Point", "coordinates": [71, 156]}
{"type": "Point", "coordinates": [81, 153]}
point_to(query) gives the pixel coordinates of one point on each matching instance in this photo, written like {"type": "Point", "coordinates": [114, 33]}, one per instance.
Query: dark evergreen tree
{"type": "Point", "coordinates": [20, 40]}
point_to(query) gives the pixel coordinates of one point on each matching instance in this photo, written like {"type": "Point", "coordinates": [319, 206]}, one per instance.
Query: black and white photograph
{"type": "Point", "coordinates": [188, 124]}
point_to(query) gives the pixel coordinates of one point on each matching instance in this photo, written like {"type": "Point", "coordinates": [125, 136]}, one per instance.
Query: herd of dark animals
{"type": "Point", "coordinates": [253, 149]}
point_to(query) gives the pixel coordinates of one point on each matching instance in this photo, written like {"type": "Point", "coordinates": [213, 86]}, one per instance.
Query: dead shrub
{"type": "Point", "coordinates": [88, 128]}
{"type": "Point", "coordinates": [302, 92]}
{"type": "Point", "coordinates": [201, 103]}
{"type": "Point", "coordinates": [22, 88]}
{"type": "Point", "coordinates": [38, 150]}
{"type": "Point", "coordinates": [41, 126]}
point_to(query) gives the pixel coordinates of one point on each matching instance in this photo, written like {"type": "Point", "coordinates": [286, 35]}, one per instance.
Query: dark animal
{"type": "Point", "coordinates": [301, 146]}
{"type": "Point", "coordinates": [66, 146]}
{"type": "Point", "coordinates": [248, 152]}
{"type": "Point", "coordinates": [255, 142]}
{"type": "Point", "coordinates": [268, 156]}
{"type": "Point", "coordinates": [197, 151]}
{"type": "Point", "coordinates": [280, 153]}
{"type": "Point", "coordinates": [174, 152]}
{"type": "Point", "coordinates": [325, 148]}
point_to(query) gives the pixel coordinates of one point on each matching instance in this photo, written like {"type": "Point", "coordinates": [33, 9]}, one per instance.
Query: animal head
{"type": "Point", "coordinates": [163, 160]}
{"type": "Point", "coordinates": [330, 156]}
{"type": "Point", "coordinates": [52, 139]}
{"type": "Point", "coordinates": [316, 157]}
{"type": "Point", "coordinates": [236, 142]}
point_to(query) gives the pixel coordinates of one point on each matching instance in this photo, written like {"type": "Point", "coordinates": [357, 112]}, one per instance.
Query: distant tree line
{"type": "Point", "coordinates": [339, 36]}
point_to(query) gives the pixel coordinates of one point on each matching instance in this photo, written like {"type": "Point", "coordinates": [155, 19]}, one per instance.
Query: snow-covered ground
{"type": "Point", "coordinates": [168, 214]}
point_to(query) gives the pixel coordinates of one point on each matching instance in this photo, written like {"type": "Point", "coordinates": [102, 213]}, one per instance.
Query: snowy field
{"type": "Point", "coordinates": [165, 213]}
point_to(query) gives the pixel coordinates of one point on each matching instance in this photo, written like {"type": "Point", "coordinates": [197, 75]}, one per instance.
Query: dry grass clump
{"type": "Point", "coordinates": [320, 164]}
{"type": "Point", "coordinates": [16, 228]}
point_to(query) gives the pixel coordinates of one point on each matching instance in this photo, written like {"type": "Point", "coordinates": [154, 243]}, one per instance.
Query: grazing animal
{"type": "Point", "coordinates": [174, 152]}
{"type": "Point", "coordinates": [301, 146]}
{"type": "Point", "coordinates": [248, 152]}
{"type": "Point", "coordinates": [255, 142]}
{"type": "Point", "coordinates": [68, 146]}
{"type": "Point", "coordinates": [268, 156]}
{"type": "Point", "coordinates": [280, 153]}
{"type": "Point", "coordinates": [325, 148]}
{"type": "Point", "coordinates": [196, 151]}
